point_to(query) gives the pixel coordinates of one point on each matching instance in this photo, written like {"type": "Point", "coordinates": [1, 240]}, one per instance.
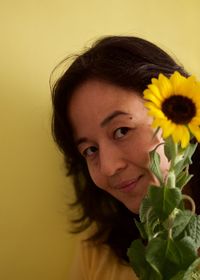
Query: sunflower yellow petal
{"type": "Point", "coordinates": [197, 103]}
{"type": "Point", "coordinates": [168, 128]}
{"type": "Point", "coordinates": [156, 113]}
{"type": "Point", "coordinates": [195, 121]}
{"type": "Point", "coordinates": [165, 86]}
{"type": "Point", "coordinates": [188, 88]}
{"type": "Point", "coordinates": [197, 115]}
{"type": "Point", "coordinates": [152, 98]}
{"type": "Point", "coordinates": [195, 130]}
{"type": "Point", "coordinates": [156, 123]}
{"type": "Point", "coordinates": [154, 89]}
{"type": "Point", "coordinates": [185, 137]}
{"type": "Point", "coordinates": [177, 80]}
{"type": "Point", "coordinates": [155, 81]}
{"type": "Point", "coordinates": [177, 133]}
{"type": "Point", "coordinates": [181, 134]}
{"type": "Point", "coordinates": [151, 106]}
{"type": "Point", "coordinates": [192, 80]}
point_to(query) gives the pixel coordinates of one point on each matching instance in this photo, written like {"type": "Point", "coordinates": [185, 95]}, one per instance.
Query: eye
{"type": "Point", "coordinates": [90, 151]}
{"type": "Point", "coordinates": [120, 132]}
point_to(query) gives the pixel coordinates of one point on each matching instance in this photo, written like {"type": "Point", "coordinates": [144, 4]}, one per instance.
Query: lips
{"type": "Point", "coordinates": [129, 185]}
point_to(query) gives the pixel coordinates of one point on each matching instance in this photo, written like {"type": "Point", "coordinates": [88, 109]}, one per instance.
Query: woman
{"type": "Point", "coordinates": [102, 127]}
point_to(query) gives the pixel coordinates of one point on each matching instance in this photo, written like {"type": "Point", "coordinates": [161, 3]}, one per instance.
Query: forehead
{"type": "Point", "coordinates": [94, 100]}
{"type": "Point", "coordinates": [95, 93]}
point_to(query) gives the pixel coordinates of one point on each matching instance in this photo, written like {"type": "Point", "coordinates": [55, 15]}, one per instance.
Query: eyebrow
{"type": "Point", "coordinates": [81, 140]}
{"type": "Point", "coordinates": [108, 119]}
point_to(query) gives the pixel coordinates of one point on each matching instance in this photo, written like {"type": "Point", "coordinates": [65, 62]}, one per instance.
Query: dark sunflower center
{"type": "Point", "coordinates": [179, 109]}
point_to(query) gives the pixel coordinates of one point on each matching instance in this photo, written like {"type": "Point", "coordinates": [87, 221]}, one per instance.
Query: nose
{"type": "Point", "coordinates": [112, 160]}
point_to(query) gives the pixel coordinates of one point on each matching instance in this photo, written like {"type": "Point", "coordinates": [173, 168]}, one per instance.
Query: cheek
{"type": "Point", "coordinates": [96, 177]}
{"type": "Point", "coordinates": [143, 144]}
{"type": "Point", "coordinates": [164, 163]}
{"type": "Point", "coordinates": [139, 150]}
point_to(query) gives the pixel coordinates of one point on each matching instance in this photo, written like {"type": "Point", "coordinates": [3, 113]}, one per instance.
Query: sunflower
{"type": "Point", "coordinates": [174, 104]}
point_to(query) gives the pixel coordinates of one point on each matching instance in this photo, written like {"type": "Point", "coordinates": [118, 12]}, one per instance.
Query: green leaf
{"type": "Point", "coordinates": [141, 228]}
{"type": "Point", "coordinates": [169, 148]}
{"type": "Point", "coordinates": [182, 164]}
{"type": "Point", "coordinates": [156, 256]}
{"type": "Point", "coordinates": [168, 257]}
{"type": "Point", "coordinates": [193, 230]}
{"type": "Point", "coordinates": [164, 200]}
{"type": "Point", "coordinates": [143, 270]}
{"type": "Point", "coordinates": [136, 254]}
{"type": "Point", "coordinates": [186, 250]}
{"type": "Point", "coordinates": [181, 221]}
{"type": "Point", "coordinates": [155, 165]}
{"type": "Point", "coordinates": [178, 276]}
{"type": "Point", "coordinates": [144, 208]}
{"type": "Point", "coordinates": [152, 224]}
{"type": "Point", "coordinates": [182, 179]}
{"type": "Point", "coordinates": [187, 224]}
{"type": "Point", "coordinates": [189, 151]}
{"type": "Point", "coordinates": [171, 179]}
{"type": "Point", "coordinates": [193, 272]}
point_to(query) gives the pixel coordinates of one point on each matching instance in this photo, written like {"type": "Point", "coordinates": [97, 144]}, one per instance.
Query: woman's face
{"type": "Point", "coordinates": [113, 133]}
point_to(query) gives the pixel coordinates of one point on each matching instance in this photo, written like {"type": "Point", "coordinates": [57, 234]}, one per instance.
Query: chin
{"type": "Point", "coordinates": [134, 209]}
{"type": "Point", "coordinates": [134, 203]}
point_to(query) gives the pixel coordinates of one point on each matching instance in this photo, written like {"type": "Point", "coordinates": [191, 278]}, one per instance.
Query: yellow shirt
{"type": "Point", "coordinates": [99, 263]}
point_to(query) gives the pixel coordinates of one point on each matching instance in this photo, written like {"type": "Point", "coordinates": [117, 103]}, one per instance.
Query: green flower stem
{"type": "Point", "coordinates": [170, 222]}
{"type": "Point", "coordinates": [175, 157]}
{"type": "Point", "coordinates": [171, 179]}
{"type": "Point", "coordinates": [187, 197]}
{"type": "Point", "coordinates": [171, 183]}
{"type": "Point", "coordinates": [147, 223]}
{"type": "Point", "coordinates": [170, 233]}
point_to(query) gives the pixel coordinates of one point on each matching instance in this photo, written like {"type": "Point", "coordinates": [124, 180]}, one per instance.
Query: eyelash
{"type": "Point", "coordinates": [121, 128]}
{"type": "Point", "coordinates": [85, 152]}
{"type": "Point", "coordinates": [93, 149]}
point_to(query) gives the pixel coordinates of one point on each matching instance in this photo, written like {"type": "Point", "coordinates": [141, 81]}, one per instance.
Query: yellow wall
{"type": "Point", "coordinates": [35, 36]}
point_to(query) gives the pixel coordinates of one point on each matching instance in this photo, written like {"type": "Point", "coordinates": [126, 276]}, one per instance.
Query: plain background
{"type": "Point", "coordinates": [35, 36]}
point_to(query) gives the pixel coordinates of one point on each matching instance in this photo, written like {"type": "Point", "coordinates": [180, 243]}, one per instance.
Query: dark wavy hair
{"type": "Point", "coordinates": [130, 63]}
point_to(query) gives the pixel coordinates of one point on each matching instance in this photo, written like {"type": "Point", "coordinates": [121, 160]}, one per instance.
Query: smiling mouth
{"type": "Point", "coordinates": [128, 186]}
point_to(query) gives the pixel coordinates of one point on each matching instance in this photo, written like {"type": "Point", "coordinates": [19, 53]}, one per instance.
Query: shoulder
{"type": "Point", "coordinates": [99, 262]}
